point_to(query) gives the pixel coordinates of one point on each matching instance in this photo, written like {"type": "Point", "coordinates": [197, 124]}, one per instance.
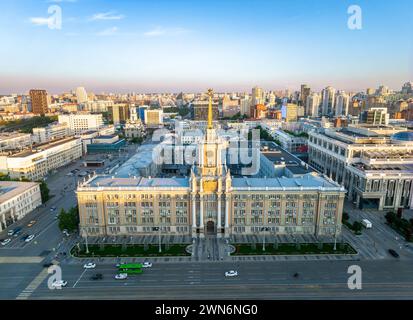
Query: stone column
{"type": "Point", "coordinates": [193, 211]}
{"type": "Point", "coordinates": [226, 212]}
{"type": "Point", "coordinates": [219, 213]}
{"type": "Point", "coordinates": [201, 211]}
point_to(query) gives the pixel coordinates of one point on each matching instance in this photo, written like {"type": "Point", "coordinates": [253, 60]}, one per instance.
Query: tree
{"type": "Point", "coordinates": [44, 191]}
{"type": "Point", "coordinates": [357, 226]}
{"type": "Point", "coordinates": [69, 220]}
{"type": "Point", "coordinates": [408, 234]}
{"type": "Point", "coordinates": [390, 217]}
{"type": "Point", "coordinates": [345, 216]}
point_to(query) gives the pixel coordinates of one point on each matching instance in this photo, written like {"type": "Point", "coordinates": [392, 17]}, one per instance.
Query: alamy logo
{"type": "Point", "coordinates": [354, 281]}
{"type": "Point", "coordinates": [56, 277]}
{"type": "Point", "coordinates": [55, 18]}
{"type": "Point", "coordinates": [354, 21]}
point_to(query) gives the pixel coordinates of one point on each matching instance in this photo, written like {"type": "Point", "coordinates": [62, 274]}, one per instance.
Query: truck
{"type": "Point", "coordinates": [366, 223]}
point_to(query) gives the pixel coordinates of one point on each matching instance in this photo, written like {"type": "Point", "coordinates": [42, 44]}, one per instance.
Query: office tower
{"type": "Point", "coordinates": [39, 101]}
{"type": "Point", "coordinates": [153, 118]}
{"type": "Point", "coordinates": [342, 104]}
{"type": "Point", "coordinates": [407, 88]}
{"type": "Point", "coordinates": [81, 122]}
{"type": "Point", "coordinates": [328, 99]}
{"type": "Point", "coordinates": [118, 113]}
{"type": "Point", "coordinates": [200, 110]}
{"type": "Point", "coordinates": [81, 95]}
{"type": "Point", "coordinates": [383, 90]}
{"type": "Point", "coordinates": [305, 92]}
{"type": "Point", "coordinates": [289, 112]}
{"type": "Point", "coordinates": [313, 105]}
{"type": "Point", "coordinates": [245, 105]}
{"type": "Point", "coordinates": [375, 116]}
{"type": "Point", "coordinates": [257, 96]}
{"type": "Point", "coordinates": [370, 91]}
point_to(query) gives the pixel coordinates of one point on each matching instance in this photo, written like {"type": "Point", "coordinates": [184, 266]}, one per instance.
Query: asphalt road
{"type": "Point", "coordinates": [384, 279]}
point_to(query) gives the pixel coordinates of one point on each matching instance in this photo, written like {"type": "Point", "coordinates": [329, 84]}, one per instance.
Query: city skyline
{"type": "Point", "coordinates": [173, 47]}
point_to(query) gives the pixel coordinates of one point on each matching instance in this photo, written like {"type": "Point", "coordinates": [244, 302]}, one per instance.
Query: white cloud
{"type": "Point", "coordinates": [108, 32]}
{"type": "Point", "coordinates": [107, 16]}
{"type": "Point", "coordinates": [41, 21]}
{"type": "Point", "coordinates": [160, 31]}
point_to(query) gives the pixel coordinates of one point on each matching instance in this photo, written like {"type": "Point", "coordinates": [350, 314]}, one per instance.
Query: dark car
{"type": "Point", "coordinates": [97, 276]}
{"type": "Point", "coordinates": [393, 253]}
{"type": "Point", "coordinates": [17, 231]}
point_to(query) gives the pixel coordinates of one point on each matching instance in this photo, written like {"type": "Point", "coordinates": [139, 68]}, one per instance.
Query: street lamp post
{"type": "Point", "coordinates": [159, 235]}
{"type": "Point", "coordinates": [87, 247]}
{"type": "Point", "coordinates": [263, 238]}
{"type": "Point", "coordinates": [160, 245]}
{"type": "Point", "coordinates": [335, 238]}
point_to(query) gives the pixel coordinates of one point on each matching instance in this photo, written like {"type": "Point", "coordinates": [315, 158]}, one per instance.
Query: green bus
{"type": "Point", "coordinates": [130, 268]}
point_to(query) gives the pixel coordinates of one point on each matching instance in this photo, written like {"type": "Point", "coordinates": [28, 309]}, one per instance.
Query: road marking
{"type": "Point", "coordinates": [16, 260]}
{"type": "Point", "coordinates": [79, 278]}
{"type": "Point", "coordinates": [27, 292]}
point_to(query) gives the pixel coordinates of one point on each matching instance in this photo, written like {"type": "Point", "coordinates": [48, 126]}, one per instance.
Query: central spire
{"type": "Point", "coordinates": [210, 93]}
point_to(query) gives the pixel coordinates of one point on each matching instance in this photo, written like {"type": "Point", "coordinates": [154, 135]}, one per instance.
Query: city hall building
{"type": "Point", "coordinates": [210, 200]}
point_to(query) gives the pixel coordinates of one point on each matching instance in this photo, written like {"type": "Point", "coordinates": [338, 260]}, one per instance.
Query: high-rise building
{"type": "Point", "coordinates": [81, 95]}
{"type": "Point", "coordinates": [153, 118]}
{"type": "Point", "coordinates": [245, 105]}
{"type": "Point", "coordinates": [305, 92]}
{"type": "Point", "coordinates": [289, 112]}
{"type": "Point", "coordinates": [39, 101]}
{"type": "Point", "coordinates": [118, 113]}
{"type": "Point", "coordinates": [328, 99]}
{"type": "Point", "coordinates": [407, 88]}
{"type": "Point", "coordinates": [375, 116]}
{"type": "Point", "coordinates": [313, 105]}
{"type": "Point", "coordinates": [257, 96]}
{"type": "Point", "coordinates": [342, 104]}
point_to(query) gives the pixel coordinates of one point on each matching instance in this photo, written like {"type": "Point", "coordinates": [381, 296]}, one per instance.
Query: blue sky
{"type": "Point", "coordinates": [230, 45]}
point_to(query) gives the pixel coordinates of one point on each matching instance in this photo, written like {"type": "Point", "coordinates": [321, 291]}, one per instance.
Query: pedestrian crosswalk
{"type": "Point", "coordinates": [16, 260]}
{"type": "Point", "coordinates": [27, 292]}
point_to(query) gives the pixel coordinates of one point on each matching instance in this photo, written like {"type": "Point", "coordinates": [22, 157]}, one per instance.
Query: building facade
{"type": "Point", "coordinates": [16, 200]}
{"type": "Point", "coordinates": [34, 164]}
{"type": "Point", "coordinates": [374, 164]}
{"type": "Point", "coordinates": [39, 101]}
{"type": "Point", "coordinates": [81, 122]}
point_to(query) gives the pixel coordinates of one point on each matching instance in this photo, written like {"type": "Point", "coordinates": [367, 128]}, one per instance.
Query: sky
{"type": "Point", "coordinates": [190, 45]}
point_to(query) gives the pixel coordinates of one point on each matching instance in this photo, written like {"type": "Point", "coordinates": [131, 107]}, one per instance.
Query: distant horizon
{"type": "Point", "coordinates": [216, 90]}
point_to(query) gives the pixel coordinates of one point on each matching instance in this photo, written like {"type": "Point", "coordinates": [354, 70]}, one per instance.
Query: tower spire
{"type": "Point", "coordinates": [210, 93]}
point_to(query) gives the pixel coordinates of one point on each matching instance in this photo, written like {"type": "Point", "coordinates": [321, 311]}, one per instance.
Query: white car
{"type": "Point", "coordinates": [6, 241]}
{"type": "Point", "coordinates": [90, 265]}
{"type": "Point", "coordinates": [231, 273]}
{"type": "Point", "coordinates": [121, 276]}
{"type": "Point", "coordinates": [29, 238]}
{"type": "Point", "coordinates": [59, 283]}
{"type": "Point", "coordinates": [147, 264]}
{"type": "Point", "coordinates": [10, 233]}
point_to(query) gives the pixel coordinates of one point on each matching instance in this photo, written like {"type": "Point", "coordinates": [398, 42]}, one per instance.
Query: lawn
{"type": "Point", "coordinates": [293, 249]}
{"type": "Point", "coordinates": [135, 250]}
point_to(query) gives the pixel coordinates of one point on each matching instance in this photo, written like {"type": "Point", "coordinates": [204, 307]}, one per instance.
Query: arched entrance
{"type": "Point", "coordinates": [210, 227]}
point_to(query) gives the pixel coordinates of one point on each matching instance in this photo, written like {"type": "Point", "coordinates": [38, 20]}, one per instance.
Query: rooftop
{"type": "Point", "coordinates": [41, 147]}
{"type": "Point", "coordinates": [308, 181]}
{"type": "Point", "coordinates": [10, 189]}
{"type": "Point", "coordinates": [138, 182]}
